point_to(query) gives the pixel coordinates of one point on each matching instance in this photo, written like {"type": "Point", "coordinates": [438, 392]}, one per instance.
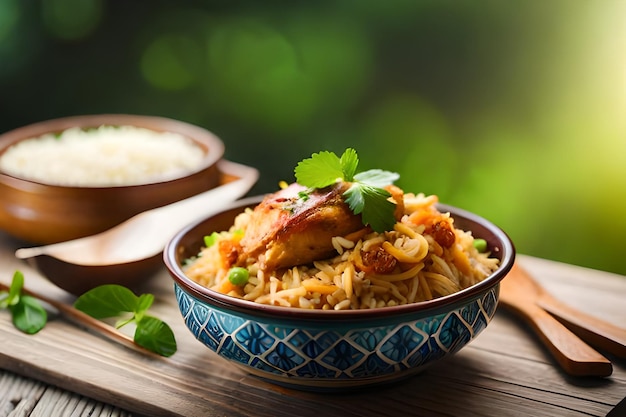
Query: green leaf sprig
{"type": "Point", "coordinates": [27, 313]}
{"type": "Point", "coordinates": [116, 301]}
{"type": "Point", "coordinates": [365, 196]}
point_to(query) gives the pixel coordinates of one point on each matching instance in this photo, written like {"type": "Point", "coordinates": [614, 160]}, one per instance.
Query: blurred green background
{"type": "Point", "coordinates": [515, 110]}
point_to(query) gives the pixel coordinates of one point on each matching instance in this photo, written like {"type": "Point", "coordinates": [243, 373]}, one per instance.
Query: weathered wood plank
{"type": "Point", "coordinates": [18, 395]}
{"type": "Point", "coordinates": [505, 372]}
{"type": "Point", "coordinates": [61, 403]}
{"type": "Point", "coordinates": [473, 373]}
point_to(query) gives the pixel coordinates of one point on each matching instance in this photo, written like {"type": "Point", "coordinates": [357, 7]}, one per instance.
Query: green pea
{"type": "Point", "coordinates": [210, 240]}
{"type": "Point", "coordinates": [480, 245]}
{"type": "Point", "coordinates": [238, 276]}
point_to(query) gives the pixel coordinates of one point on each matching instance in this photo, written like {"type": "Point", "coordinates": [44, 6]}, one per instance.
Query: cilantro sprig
{"type": "Point", "coordinates": [115, 301]}
{"type": "Point", "coordinates": [366, 194]}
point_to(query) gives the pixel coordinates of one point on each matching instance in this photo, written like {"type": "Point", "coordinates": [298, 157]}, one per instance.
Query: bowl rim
{"type": "Point", "coordinates": [199, 135]}
{"type": "Point", "coordinates": [422, 308]}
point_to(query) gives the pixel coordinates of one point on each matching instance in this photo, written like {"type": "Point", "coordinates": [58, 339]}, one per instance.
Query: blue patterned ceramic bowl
{"type": "Point", "coordinates": [329, 350]}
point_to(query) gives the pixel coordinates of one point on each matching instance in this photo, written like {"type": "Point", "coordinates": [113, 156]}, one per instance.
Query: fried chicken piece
{"type": "Point", "coordinates": [287, 229]}
{"type": "Point", "coordinates": [397, 194]}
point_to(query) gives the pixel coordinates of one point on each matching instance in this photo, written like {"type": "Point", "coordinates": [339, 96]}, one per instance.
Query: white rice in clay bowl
{"type": "Point", "coordinates": [75, 176]}
{"type": "Point", "coordinates": [102, 157]}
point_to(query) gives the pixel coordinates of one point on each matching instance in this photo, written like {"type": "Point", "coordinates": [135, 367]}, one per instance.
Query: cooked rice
{"type": "Point", "coordinates": [425, 269]}
{"type": "Point", "coordinates": [103, 156]}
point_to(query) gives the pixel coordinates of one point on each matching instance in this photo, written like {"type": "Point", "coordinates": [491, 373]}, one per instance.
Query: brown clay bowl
{"type": "Point", "coordinates": [41, 213]}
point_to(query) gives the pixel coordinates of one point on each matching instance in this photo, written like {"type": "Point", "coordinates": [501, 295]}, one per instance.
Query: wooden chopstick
{"type": "Point", "coordinates": [86, 321]}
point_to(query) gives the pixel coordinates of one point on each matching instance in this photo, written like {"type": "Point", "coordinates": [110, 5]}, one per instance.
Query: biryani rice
{"type": "Point", "coordinates": [424, 268]}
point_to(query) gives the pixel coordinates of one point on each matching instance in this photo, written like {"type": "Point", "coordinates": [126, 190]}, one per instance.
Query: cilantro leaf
{"type": "Point", "coordinates": [377, 177]}
{"type": "Point", "coordinates": [354, 198]}
{"type": "Point", "coordinates": [349, 162]}
{"type": "Point", "coordinates": [373, 205]}
{"type": "Point", "coordinates": [366, 195]}
{"type": "Point", "coordinates": [320, 170]}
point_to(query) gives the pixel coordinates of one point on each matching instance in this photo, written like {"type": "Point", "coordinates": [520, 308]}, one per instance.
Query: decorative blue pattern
{"type": "Point", "coordinates": [331, 355]}
{"type": "Point", "coordinates": [368, 338]}
{"type": "Point", "coordinates": [253, 338]}
{"type": "Point", "coordinates": [490, 302]}
{"type": "Point", "coordinates": [401, 343]}
{"type": "Point", "coordinates": [283, 357]}
{"type": "Point", "coordinates": [453, 333]}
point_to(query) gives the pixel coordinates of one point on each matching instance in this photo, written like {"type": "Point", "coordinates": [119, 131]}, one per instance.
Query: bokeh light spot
{"type": "Point", "coordinates": [71, 19]}
{"type": "Point", "coordinates": [337, 55]}
{"type": "Point", "coordinates": [9, 16]}
{"type": "Point", "coordinates": [407, 134]}
{"type": "Point", "coordinates": [255, 70]}
{"type": "Point", "coordinates": [283, 77]}
{"type": "Point", "coordinates": [18, 46]}
{"type": "Point", "coordinates": [170, 62]}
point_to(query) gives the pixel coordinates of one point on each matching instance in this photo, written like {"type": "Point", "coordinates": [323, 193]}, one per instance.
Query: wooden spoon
{"type": "Point", "coordinates": [598, 333]}
{"type": "Point", "coordinates": [520, 293]}
{"type": "Point", "coordinates": [132, 249]}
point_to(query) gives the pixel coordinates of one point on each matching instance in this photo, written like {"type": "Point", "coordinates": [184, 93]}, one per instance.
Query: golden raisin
{"type": "Point", "coordinates": [442, 233]}
{"type": "Point", "coordinates": [378, 260]}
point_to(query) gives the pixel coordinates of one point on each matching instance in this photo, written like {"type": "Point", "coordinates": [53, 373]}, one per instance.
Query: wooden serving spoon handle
{"type": "Point", "coordinates": [596, 332]}
{"type": "Point", "coordinates": [575, 356]}
{"type": "Point", "coordinates": [519, 286]}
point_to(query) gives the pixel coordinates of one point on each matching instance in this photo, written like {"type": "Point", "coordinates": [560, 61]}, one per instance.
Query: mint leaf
{"type": "Point", "coordinates": [4, 299]}
{"type": "Point", "coordinates": [112, 300]}
{"type": "Point", "coordinates": [15, 290]}
{"type": "Point", "coordinates": [28, 315]}
{"type": "Point", "coordinates": [144, 303]}
{"type": "Point", "coordinates": [123, 322]}
{"type": "Point", "coordinates": [156, 336]}
{"type": "Point", "coordinates": [349, 162]}
{"type": "Point", "coordinates": [319, 171]}
{"type": "Point", "coordinates": [107, 301]}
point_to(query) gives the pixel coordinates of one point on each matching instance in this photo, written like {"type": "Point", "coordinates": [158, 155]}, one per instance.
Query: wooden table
{"type": "Point", "coordinates": [68, 371]}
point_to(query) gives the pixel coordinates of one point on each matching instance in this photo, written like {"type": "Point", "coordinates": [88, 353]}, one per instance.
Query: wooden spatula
{"type": "Point", "coordinates": [520, 293]}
